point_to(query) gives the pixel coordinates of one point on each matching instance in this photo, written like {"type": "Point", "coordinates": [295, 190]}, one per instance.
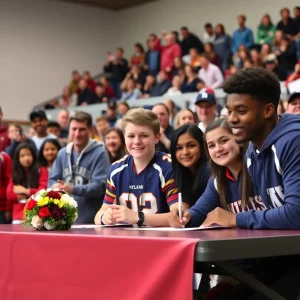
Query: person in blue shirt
{"type": "Point", "coordinates": [140, 187]}
{"type": "Point", "coordinates": [189, 161]}
{"type": "Point", "coordinates": [229, 187]}
{"type": "Point", "coordinates": [242, 36]}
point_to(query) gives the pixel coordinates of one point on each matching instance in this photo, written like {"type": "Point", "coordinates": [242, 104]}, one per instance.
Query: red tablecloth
{"type": "Point", "coordinates": [106, 263]}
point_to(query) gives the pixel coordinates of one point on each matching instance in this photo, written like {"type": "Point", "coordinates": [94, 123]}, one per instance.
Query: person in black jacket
{"type": "Point", "coordinates": [190, 40]}
{"type": "Point", "coordinates": [117, 66]}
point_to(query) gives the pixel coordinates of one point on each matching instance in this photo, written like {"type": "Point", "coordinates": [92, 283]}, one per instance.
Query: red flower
{"type": "Point", "coordinates": [57, 213]}
{"type": "Point", "coordinates": [54, 195]}
{"type": "Point", "coordinates": [44, 212]}
{"type": "Point", "coordinates": [31, 204]}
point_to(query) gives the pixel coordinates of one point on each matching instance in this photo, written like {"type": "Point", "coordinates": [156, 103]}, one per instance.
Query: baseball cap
{"type": "Point", "coordinates": [206, 97]}
{"type": "Point", "coordinates": [271, 58]}
{"type": "Point", "coordinates": [37, 113]}
{"type": "Point", "coordinates": [294, 96]}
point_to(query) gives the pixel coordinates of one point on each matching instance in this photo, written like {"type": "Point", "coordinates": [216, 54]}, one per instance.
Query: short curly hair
{"type": "Point", "coordinates": [261, 84]}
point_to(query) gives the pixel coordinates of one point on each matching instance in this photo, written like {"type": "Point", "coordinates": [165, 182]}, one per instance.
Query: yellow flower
{"type": "Point", "coordinates": [43, 201]}
{"type": "Point", "coordinates": [59, 203]}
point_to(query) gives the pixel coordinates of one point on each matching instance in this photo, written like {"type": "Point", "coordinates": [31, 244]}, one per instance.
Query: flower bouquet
{"type": "Point", "coordinates": [50, 210]}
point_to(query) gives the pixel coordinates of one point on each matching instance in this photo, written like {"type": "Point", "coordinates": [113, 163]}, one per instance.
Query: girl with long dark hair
{"type": "Point", "coordinates": [191, 172]}
{"type": "Point", "coordinates": [48, 153]}
{"type": "Point", "coordinates": [115, 144]}
{"type": "Point", "coordinates": [27, 178]}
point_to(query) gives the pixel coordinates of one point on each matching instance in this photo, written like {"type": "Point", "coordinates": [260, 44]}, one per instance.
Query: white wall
{"type": "Point", "coordinates": [41, 43]}
{"type": "Point", "coordinates": [138, 22]}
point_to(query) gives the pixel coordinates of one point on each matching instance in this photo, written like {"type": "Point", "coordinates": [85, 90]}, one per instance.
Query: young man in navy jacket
{"type": "Point", "coordinates": [273, 156]}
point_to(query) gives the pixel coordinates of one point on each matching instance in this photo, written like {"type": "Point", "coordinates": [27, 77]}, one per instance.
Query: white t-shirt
{"type": "Point", "coordinates": [39, 141]}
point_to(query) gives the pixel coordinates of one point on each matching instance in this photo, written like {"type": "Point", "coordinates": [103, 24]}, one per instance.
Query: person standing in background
{"type": "Point", "coordinates": [4, 140]}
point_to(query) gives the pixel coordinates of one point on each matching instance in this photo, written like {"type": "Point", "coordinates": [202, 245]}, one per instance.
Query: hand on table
{"type": "Point", "coordinates": [107, 217]}
{"type": "Point", "coordinates": [220, 216]}
{"type": "Point", "coordinates": [124, 214]}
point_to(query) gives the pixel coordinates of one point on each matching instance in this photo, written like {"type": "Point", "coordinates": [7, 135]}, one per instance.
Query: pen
{"type": "Point", "coordinates": [180, 205]}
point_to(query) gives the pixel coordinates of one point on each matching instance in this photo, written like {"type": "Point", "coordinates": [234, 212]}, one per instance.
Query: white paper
{"type": "Point", "coordinates": [174, 229]}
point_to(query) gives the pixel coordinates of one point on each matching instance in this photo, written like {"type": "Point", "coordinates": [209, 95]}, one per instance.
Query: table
{"type": "Point", "coordinates": [113, 263]}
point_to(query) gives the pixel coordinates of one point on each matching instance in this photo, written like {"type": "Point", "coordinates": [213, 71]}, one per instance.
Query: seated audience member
{"type": "Point", "coordinates": [206, 108]}
{"type": "Point", "coordinates": [101, 96]}
{"type": "Point", "coordinates": [256, 59]}
{"type": "Point", "coordinates": [241, 56]}
{"type": "Point", "coordinates": [94, 134]}
{"type": "Point", "coordinates": [4, 140]}
{"type": "Point", "coordinates": [287, 24]}
{"type": "Point", "coordinates": [174, 90]}
{"type": "Point", "coordinates": [178, 66]}
{"type": "Point", "coordinates": [294, 104]}
{"type": "Point", "coordinates": [295, 75]}
{"type": "Point", "coordinates": [279, 35]}
{"type": "Point", "coordinates": [296, 37]}
{"type": "Point", "coordinates": [185, 116]}
{"type": "Point", "coordinates": [222, 45]}
{"type": "Point", "coordinates": [74, 82]}
{"type": "Point", "coordinates": [266, 49]}
{"type": "Point", "coordinates": [27, 178]}
{"type": "Point", "coordinates": [265, 31]}
{"type": "Point", "coordinates": [115, 144]}
{"type": "Point", "coordinates": [190, 83]}
{"type": "Point", "coordinates": [213, 57]}
{"type": "Point", "coordinates": [16, 136]}
{"type": "Point", "coordinates": [39, 122]}
{"type": "Point", "coordinates": [31, 132]}
{"type": "Point", "coordinates": [242, 36]}
{"type": "Point", "coordinates": [162, 86]}
{"type": "Point", "coordinates": [53, 128]}
{"type": "Point", "coordinates": [67, 99]}
{"type": "Point", "coordinates": [5, 175]}
{"type": "Point", "coordinates": [48, 153]}
{"type": "Point", "coordinates": [172, 110]}
{"type": "Point", "coordinates": [148, 86]}
{"type": "Point", "coordinates": [123, 108]}
{"type": "Point", "coordinates": [232, 70]}
{"type": "Point", "coordinates": [137, 59]}
{"type": "Point", "coordinates": [248, 64]}
{"type": "Point", "coordinates": [138, 76]}
{"type": "Point", "coordinates": [286, 55]}
{"type": "Point", "coordinates": [108, 90]}
{"type": "Point", "coordinates": [195, 59]}
{"type": "Point", "coordinates": [190, 168]}
{"type": "Point", "coordinates": [63, 120]}
{"type": "Point", "coordinates": [210, 74]}
{"type": "Point", "coordinates": [142, 172]}
{"type": "Point", "coordinates": [282, 106]}
{"type": "Point", "coordinates": [189, 41]}
{"type": "Point", "coordinates": [89, 81]}
{"type": "Point", "coordinates": [229, 189]}
{"type": "Point", "coordinates": [117, 66]}
{"type": "Point", "coordinates": [81, 167]}
{"type": "Point", "coordinates": [102, 126]}
{"type": "Point", "coordinates": [166, 130]}
{"type": "Point", "coordinates": [271, 64]}
{"type": "Point", "coordinates": [130, 92]}
{"type": "Point", "coordinates": [224, 113]}
{"type": "Point", "coordinates": [152, 59]}
{"type": "Point", "coordinates": [168, 52]}
{"type": "Point", "coordinates": [209, 35]}
{"type": "Point", "coordinates": [111, 113]}
{"type": "Point", "coordinates": [85, 95]}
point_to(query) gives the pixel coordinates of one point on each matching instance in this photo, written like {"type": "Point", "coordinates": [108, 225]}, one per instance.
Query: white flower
{"type": "Point", "coordinates": [66, 199]}
{"type": "Point", "coordinates": [48, 226]}
{"type": "Point", "coordinates": [37, 222]}
{"type": "Point", "coordinates": [38, 197]}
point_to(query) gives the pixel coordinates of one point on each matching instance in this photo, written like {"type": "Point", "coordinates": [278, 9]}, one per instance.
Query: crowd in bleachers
{"type": "Point", "coordinates": [176, 63]}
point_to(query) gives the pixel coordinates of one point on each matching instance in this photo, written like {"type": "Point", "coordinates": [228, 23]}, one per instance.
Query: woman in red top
{"type": "Point", "coordinates": [27, 179]}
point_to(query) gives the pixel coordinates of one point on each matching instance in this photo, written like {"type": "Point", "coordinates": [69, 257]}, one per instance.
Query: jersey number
{"type": "Point", "coordinates": [147, 202]}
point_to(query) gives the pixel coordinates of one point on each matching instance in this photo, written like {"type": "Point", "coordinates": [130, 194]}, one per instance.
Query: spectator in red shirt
{"type": "Point", "coordinates": [138, 57]}
{"type": "Point", "coordinates": [108, 89]}
{"type": "Point", "coordinates": [170, 51]}
{"type": "Point", "coordinates": [27, 178]}
{"type": "Point", "coordinates": [5, 175]}
{"type": "Point", "coordinates": [90, 82]}
{"type": "Point", "coordinates": [4, 140]}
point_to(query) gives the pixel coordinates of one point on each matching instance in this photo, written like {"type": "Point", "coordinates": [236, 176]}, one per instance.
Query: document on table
{"type": "Point", "coordinates": [97, 226]}
{"type": "Point", "coordinates": [213, 226]}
